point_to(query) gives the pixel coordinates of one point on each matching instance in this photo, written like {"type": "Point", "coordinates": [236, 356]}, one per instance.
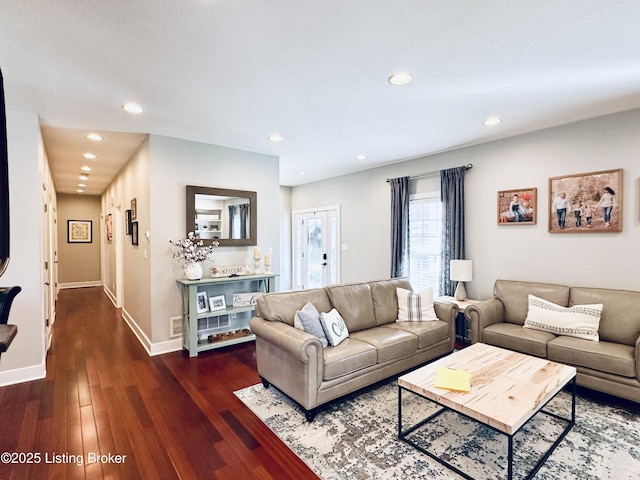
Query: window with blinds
{"type": "Point", "coordinates": [425, 240]}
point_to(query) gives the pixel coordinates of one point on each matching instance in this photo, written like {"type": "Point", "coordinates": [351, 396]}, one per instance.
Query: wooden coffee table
{"type": "Point", "coordinates": [507, 390]}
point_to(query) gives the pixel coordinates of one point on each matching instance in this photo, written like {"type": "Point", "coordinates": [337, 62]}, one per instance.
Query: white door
{"type": "Point", "coordinates": [49, 271]}
{"type": "Point", "coordinates": [316, 240]}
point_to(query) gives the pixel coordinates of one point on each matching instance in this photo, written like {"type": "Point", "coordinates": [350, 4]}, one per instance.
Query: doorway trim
{"type": "Point", "coordinates": [330, 211]}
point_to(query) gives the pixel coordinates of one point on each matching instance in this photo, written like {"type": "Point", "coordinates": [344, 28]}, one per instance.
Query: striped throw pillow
{"type": "Point", "coordinates": [415, 307]}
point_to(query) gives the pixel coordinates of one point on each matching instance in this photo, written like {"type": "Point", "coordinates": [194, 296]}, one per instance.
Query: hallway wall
{"type": "Point", "coordinates": [78, 263]}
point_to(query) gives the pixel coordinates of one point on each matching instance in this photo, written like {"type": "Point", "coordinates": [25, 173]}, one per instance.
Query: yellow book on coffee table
{"type": "Point", "coordinates": [453, 379]}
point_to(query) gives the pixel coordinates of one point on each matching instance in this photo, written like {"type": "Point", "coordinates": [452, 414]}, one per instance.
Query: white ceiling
{"type": "Point", "coordinates": [232, 72]}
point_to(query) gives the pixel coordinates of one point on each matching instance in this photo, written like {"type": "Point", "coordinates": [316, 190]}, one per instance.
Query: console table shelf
{"type": "Point", "coordinates": [224, 332]}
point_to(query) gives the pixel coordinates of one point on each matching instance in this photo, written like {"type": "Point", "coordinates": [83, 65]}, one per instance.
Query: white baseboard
{"type": "Point", "coordinates": [151, 348]}
{"type": "Point", "coordinates": [62, 286]}
{"type": "Point", "coordinates": [111, 296]}
{"type": "Point", "coordinates": [174, 345]}
{"type": "Point", "coordinates": [21, 375]}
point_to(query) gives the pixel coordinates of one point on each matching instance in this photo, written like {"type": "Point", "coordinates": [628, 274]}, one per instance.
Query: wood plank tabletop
{"type": "Point", "coordinates": [507, 388]}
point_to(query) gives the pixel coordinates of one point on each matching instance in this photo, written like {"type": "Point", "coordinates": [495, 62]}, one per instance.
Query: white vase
{"type": "Point", "coordinates": [193, 271]}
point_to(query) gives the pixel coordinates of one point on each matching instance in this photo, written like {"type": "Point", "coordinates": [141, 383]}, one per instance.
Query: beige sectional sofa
{"type": "Point", "coordinates": [610, 365]}
{"type": "Point", "coordinates": [377, 347]}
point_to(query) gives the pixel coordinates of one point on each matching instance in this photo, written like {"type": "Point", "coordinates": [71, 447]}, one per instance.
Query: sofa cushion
{"type": "Point", "coordinates": [620, 321]}
{"type": "Point", "coordinates": [334, 327]}
{"type": "Point", "coordinates": [389, 343]}
{"type": "Point", "coordinates": [514, 296]}
{"type": "Point", "coordinates": [415, 307]}
{"type": "Point", "coordinates": [355, 304]}
{"type": "Point", "coordinates": [282, 306]}
{"type": "Point", "coordinates": [606, 357]}
{"type": "Point", "coordinates": [309, 320]}
{"type": "Point", "coordinates": [348, 357]}
{"type": "Point", "coordinates": [580, 321]}
{"type": "Point", "coordinates": [514, 337]}
{"type": "Point", "coordinates": [385, 299]}
{"type": "Point", "coordinates": [428, 333]}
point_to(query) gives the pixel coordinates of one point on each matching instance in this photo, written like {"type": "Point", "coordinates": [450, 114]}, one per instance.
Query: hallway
{"type": "Point", "coordinates": [108, 410]}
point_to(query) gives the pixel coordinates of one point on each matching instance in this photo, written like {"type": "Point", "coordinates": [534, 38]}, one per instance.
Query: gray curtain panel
{"type": "Point", "coordinates": [232, 214]}
{"type": "Point", "coordinates": [453, 230]}
{"type": "Point", "coordinates": [244, 220]}
{"type": "Point", "coordinates": [399, 226]}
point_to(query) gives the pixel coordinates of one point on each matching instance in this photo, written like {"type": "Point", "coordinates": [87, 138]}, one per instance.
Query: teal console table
{"type": "Point", "coordinates": [204, 327]}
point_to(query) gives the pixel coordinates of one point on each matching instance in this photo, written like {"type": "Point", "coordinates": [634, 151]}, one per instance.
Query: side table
{"type": "Point", "coordinates": [462, 330]}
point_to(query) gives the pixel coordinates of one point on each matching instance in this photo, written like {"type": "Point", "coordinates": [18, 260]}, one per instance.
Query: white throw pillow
{"type": "Point", "coordinates": [334, 327]}
{"type": "Point", "coordinates": [580, 321]}
{"type": "Point", "coordinates": [415, 307]}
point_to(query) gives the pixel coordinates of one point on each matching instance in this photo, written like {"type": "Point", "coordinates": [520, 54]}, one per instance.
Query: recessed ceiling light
{"type": "Point", "coordinates": [82, 185]}
{"type": "Point", "coordinates": [79, 190]}
{"type": "Point", "coordinates": [275, 138]}
{"type": "Point", "coordinates": [132, 107]}
{"type": "Point", "coordinates": [399, 79]}
{"type": "Point", "coordinates": [94, 136]}
{"type": "Point", "coordinates": [90, 156]}
{"type": "Point", "coordinates": [493, 120]}
{"type": "Point", "coordinates": [361, 157]}
{"type": "Point", "coordinates": [86, 168]}
{"type": "Point", "coordinates": [84, 177]}
{"type": "Point", "coordinates": [302, 174]}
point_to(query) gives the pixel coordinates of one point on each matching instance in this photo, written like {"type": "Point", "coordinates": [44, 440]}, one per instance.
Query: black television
{"type": "Point", "coordinates": [4, 184]}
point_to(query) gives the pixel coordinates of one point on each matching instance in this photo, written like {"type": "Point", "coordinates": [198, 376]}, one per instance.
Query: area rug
{"type": "Point", "coordinates": [356, 438]}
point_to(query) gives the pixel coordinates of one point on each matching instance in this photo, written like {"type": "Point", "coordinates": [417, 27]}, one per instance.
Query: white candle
{"type": "Point", "coordinates": [256, 252]}
{"type": "Point", "coordinates": [267, 259]}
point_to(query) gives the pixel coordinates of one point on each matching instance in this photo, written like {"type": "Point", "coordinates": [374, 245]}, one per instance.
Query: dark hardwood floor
{"type": "Point", "coordinates": [163, 417]}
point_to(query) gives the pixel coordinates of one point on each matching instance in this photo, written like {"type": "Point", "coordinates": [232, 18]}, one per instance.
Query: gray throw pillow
{"type": "Point", "coordinates": [310, 321]}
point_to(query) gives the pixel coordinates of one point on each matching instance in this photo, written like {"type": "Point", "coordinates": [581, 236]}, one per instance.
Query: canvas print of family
{"type": "Point", "coordinates": [589, 202]}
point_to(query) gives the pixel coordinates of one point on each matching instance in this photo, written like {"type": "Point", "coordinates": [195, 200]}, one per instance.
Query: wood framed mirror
{"type": "Point", "coordinates": [223, 215]}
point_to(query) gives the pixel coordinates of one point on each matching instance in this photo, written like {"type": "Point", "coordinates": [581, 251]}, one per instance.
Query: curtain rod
{"type": "Point", "coordinates": [468, 166]}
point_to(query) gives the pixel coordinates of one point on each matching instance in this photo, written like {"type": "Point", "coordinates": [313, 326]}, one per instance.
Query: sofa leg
{"type": "Point", "coordinates": [310, 414]}
{"type": "Point", "coordinates": [265, 383]}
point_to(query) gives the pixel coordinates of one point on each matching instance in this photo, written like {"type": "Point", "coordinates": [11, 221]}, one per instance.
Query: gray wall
{"type": "Point", "coordinates": [174, 165]}
{"type": "Point", "coordinates": [131, 182]}
{"type": "Point", "coordinates": [28, 171]}
{"type": "Point", "coordinates": [609, 260]}
{"type": "Point", "coordinates": [78, 263]}
{"type": "Point", "coordinates": [156, 176]}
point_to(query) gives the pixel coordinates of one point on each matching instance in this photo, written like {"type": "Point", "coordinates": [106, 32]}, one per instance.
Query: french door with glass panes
{"type": "Point", "coordinates": [316, 240]}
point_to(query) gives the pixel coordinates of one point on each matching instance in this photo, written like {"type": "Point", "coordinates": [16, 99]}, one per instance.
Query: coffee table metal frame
{"type": "Point", "coordinates": [402, 434]}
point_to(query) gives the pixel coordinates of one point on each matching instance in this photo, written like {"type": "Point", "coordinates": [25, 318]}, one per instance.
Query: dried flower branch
{"type": "Point", "coordinates": [192, 249]}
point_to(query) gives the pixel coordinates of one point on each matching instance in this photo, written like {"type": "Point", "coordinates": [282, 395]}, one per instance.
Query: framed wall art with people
{"type": "Point", "coordinates": [586, 202]}
{"type": "Point", "coordinates": [518, 207]}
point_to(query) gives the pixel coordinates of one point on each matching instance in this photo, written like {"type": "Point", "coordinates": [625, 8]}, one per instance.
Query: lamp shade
{"type": "Point", "coordinates": [461, 270]}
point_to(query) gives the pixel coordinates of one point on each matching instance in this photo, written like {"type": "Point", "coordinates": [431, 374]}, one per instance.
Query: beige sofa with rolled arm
{"type": "Point", "coordinates": [610, 365]}
{"type": "Point", "coordinates": [377, 347]}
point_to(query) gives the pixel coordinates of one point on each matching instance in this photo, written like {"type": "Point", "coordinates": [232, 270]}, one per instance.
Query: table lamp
{"type": "Point", "coordinates": [460, 271]}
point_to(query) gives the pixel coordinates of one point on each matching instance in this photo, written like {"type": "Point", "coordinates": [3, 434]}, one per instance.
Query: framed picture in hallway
{"type": "Point", "coordinates": [127, 221]}
{"type": "Point", "coordinates": [134, 209]}
{"type": "Point", "coordinates": [518, 207]}
{"type": "Point", "coordinates": [586, 202]}
{"type": "Point", "coordinates": [134, 233]}
{"type": "Point", "coordinates": [79, 231]}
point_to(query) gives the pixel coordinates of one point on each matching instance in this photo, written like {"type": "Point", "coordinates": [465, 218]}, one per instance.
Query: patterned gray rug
{"type": "Point", "coordinates": [357, 438]}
